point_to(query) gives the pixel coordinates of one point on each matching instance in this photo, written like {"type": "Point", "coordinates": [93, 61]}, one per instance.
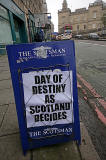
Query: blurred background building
{"type": "Point", "coordinates": [21, 19]}
{"type": "Point", "coordinates": [83, 21]}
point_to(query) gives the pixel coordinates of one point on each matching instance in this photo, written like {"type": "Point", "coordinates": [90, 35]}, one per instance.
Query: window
{"type": "Point", "coordinates": [85, 18]}
{"type": "Point", "coordinates": [3, 13]}
{"type": "Point", "coordinates": [71, 20]}
{"type": "Point", "coordinates": [77, 27]}
{"type": "Point", "coordinates": [79, 19]}
{"type": "Point", "coordinates": [84, 27]}
{"type": "Point", "coordinates": [93, 26]}
{"type": "Point", "coordinates": [17, 32]}
{"type": "Point", "coordinates": [63, 16]}
{"type": "Point", "coordinates": [94, 14]}
{"type": "Point", "coordinates": [5, 29]}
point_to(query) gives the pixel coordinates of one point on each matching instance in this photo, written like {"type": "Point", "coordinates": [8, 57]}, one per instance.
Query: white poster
{"type": "Point", "coordinates": [48, 97]}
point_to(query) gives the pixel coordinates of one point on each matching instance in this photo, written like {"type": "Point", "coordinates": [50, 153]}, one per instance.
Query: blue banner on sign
{"type": "Point", "coordinates": [45, 90]}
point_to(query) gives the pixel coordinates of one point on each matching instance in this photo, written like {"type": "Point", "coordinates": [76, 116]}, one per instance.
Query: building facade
{"type": "Point", "coordinates": [17, 20]}
{"type": "Point", "coordinates": [83, 21]}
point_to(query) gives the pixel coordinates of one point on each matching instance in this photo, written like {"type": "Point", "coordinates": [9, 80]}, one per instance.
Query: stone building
{"type": "Point", "coordinates": [83, 21]}
{"type": "Point", "coordinates": [17, 20]}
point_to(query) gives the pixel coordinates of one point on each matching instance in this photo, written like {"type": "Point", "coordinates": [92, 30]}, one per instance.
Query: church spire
{"type": "Point", "coordinates": [64, 5]}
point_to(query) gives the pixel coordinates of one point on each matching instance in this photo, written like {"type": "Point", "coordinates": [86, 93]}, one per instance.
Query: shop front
{"type": "Point", "coordinates": [31, 26]}
{"type": "Point", "coordinates": [12, 25]}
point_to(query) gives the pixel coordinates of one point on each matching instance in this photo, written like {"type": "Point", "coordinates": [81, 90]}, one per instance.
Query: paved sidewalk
{"type": "Point", "coordinates": [10, 143]}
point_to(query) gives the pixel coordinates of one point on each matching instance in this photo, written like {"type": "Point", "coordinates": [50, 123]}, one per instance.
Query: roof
{"type": "Point", "coordinates": [100, 1]}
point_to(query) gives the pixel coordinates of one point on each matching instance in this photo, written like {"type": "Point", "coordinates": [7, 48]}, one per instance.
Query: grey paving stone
{"type": "Point", "coordinates": [10, 123]}
{"type": "Point", "coordinates": [3, 60]}
{"type": "Point", "coordinates": [6, 96]}
{"type": "Point", "coordinates": [87, 149]}
{"type": "Point", "coordinates": [10, 148]}
{"type": "Point", "coordinates": [3, 110]}
{"type": "Point", "coordinates": [4, 68]}
{"type": "Point", "coordinates": [4, 64]}
{"type": "Point", "coordinates": [65, 151]}
{"type": "Point", "coordinates": [5, 75]}
{"type": "Point", "coordinates": [5, 84]}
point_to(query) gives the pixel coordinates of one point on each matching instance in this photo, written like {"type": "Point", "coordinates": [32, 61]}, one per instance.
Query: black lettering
{"type": "Point", "coordinates": [55, 78]}
{"type": "Point", "coordinates": [67, 106]}
{"type": "Point", "coordinates": [45, 89]}
{"type": "Point", "coordinates": [50, 119]}
{"type": "Point", "coordinates": [37, 80]}
{"type": "Point", "coordinates": [58, 88]}
{"type": "Point", "coordinates": [46, 117]}
{"type": "Point", "coordinates": [64, 115]}
{"type": "Point", "coordinates": [46, 98]}
{"type": "Point", "coordinates": [52, 100]}
{"type": "Point", "coordinates": [48, 78]}
{"type": "Point", "coordinates": [37, 108]}
{"type": "Point", "coordinates": [39, 89]}
{"type": "Point", "coordinates": [52, 110]}
{"type": "Point", "coordinates": [50, 88]}
{"type": "Point", "coordinates": [63, 87]}
{"type": "Point", "coordinates": [36, 118]}
{"type": "Point", "coordinates": [43, 108]}
{"type": "Point", "coordinates": [48, 108]}
{"type": "Point", "coordinates": [54, 89]}
{"type": "Point", "coordinates": [34, 89]}
{"type": "Point", "coordinates": [41, 117]}
{"type": "Point", "coordinates": [49, 98]}
{"type": "Point", "coordinates": [60, 78]}
{"type": "Point", "coordinates": [54, 116]}
{"type": "Point", "coordinates": [59, 115]}
{"type": "Point", "coordinates": [43, 80]}
{"type": "Point", "coordinates": [61, 106]}
{"type": "Point", "coordinates": [32, 111]}
{"type": "Point", "coordinates": [56, 107]}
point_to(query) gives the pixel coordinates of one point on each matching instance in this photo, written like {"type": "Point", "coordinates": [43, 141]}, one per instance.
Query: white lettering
{"type": "Point", "coordinates": [25, 54]}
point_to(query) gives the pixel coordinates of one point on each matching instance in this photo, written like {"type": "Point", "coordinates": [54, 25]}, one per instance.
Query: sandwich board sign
{"type": "Point", "coordinates": [45, 89]}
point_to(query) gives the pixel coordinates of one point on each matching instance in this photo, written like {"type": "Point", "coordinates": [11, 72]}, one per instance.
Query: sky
{"type": "Point", "coordinates": [55, 5]}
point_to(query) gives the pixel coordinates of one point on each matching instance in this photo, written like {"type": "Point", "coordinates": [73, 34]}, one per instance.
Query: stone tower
{"type": "Point", "coordinates": [64, 5]}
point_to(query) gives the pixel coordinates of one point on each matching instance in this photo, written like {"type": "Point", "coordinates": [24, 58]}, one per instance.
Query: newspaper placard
{"type": "Point", "coordinates": [48, 98]}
